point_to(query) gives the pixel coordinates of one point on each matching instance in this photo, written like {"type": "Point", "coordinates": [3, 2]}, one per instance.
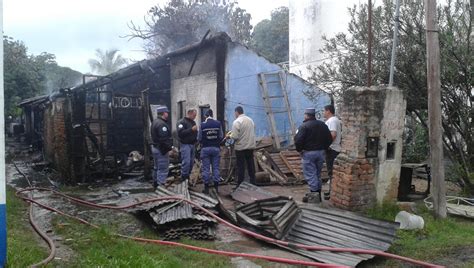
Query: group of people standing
{"type": "Point", "coordinates": [315, 140]}
{"type": "Point", "coordinates": [210, 136]}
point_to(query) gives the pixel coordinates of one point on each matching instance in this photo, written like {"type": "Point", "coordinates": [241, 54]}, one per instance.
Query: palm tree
{"type": "Point", "coordinates": [107, 62]}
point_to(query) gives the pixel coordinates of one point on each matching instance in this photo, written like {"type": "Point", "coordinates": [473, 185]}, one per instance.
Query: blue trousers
{"type": "Point", "coordinates": [210, 156]}
{"type": "Point", "coordinates": [187, 159]}
{"type": "Point", "coordinates": [312, 165]}
{"type": "Point", "coordinates": [160, 169]}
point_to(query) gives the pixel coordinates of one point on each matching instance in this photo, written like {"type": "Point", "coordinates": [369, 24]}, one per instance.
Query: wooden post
{"type": "Point", "coordinates": [434, 110]}
{"type": "Point", "coordinates": [146, 135]}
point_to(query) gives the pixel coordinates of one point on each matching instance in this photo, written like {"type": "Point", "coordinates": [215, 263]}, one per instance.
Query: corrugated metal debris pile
{"type": "Point", "coordinates": [176, 218]}
{"type": "Point", "coordinates": [280, 217]}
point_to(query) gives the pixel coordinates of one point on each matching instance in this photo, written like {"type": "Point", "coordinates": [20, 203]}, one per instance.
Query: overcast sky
{"type": "Point", "coordinates": [72, 30]}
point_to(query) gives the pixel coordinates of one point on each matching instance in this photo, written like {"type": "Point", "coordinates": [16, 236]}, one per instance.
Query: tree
{"type": "Point", "coordinates": [271, 38]}
{"type": "Point", "coordinates": [107, 62]}
{"type": "Point", "coordinates": [26, 76]}
{"type": "Point", "coordinates": [56, 76]}
{"type": "Point", "coordinates": [22, 77]}
{"type": "Point", "coordinates": [183, 22]}
{"type": "Point", "coordinates": [346, 67]}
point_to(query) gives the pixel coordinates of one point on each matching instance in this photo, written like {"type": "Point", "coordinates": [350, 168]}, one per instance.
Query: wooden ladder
{"type": "Point", "coordinates": [264, 82]}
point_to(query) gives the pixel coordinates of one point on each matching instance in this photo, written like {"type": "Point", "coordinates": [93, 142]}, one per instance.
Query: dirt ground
{"type": "Point", "coordinates": [126, 191]}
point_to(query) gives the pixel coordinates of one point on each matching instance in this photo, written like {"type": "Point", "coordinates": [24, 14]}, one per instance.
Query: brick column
{"type": "Point", "coordinates": [363, 175]}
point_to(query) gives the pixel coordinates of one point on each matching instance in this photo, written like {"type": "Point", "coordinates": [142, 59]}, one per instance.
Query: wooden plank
{"type": "Point", "coordinates": [288, 107]}
{"type": "Point", "coordinates": [268, 110]}
{"type": "Point", "coordinates": [281, 179]}
{"type": "Point", "coordinates": [290, 167]}
{"type": "Point", "coordinates": [273, 164]}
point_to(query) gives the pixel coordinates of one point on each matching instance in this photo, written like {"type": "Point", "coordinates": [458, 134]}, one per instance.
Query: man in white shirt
{"type": "Point", "coordinates": [243, 132]}
{"type": "Point", "coordinates": [335, 127]}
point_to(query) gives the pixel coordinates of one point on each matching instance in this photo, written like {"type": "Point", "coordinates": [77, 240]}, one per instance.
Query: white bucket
{"type": "Point", "coordinates": [409, 221]}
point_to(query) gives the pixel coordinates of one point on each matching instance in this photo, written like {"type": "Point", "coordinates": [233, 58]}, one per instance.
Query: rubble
{"type": "Point", "coordinates": [176, 219]}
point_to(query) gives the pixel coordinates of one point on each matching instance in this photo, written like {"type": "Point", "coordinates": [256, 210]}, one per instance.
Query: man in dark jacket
{"type": "Point", "coordinates": [162, 144]}
{"type": "Point", "coordinates": [187, 134]}
{"type": "Point", "coordinates": [210, 136]}
{"type": "Point", "coordinates": [312, 140]}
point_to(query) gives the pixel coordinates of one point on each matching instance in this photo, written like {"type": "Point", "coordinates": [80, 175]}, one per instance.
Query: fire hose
{"type": "Point", "coordinates": [226, 253]}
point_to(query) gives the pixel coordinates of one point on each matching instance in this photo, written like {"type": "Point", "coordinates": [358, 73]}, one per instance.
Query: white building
{"type": "Point", "coordinates": [309, 21]}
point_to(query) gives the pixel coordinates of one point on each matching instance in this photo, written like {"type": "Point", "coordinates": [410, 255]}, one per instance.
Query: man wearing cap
{"type": "Point", "coordinates": [335, 127]}
{"type": "Point", "coordinates": [312, 139]}
{"type": "Point", "coordinates": [210, 136]}
{"type": "Point", "coordinates": [162, 144]}
{"type": "Point", "coordinates": [243, 132]}
{"type": "Point", "coordinates": [187, 135]}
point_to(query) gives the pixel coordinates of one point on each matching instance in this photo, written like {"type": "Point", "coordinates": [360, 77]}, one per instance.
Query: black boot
{"type": "Point", "coordinates": [312, 197]}
{"type": "Point", "coordinates": [206, 189]}
{"type": "Point", "coordinates": [216, 186]}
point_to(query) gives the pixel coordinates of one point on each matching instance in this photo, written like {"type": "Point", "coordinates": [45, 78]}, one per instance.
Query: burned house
{"type": "Point", "coordinates": [32, 120]}
{"type": "Point", "coordinates": [98, 123]}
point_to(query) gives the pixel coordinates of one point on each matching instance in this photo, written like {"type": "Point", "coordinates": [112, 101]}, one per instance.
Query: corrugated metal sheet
{"type": "Point", "coordinates": [203, 200]}
{"type": "Point", "coordinates": [177, 218]}
{"type": "Point", "coordinates": [247, 193]}
{"type": "Point", "coordinates": [176, 211]}
{"type": "Point", "coordinates": [337, 228]}
{"type": "Point", "coordinates": [272, 216]}
{"type": "Point", "coordinates": [196, 231]}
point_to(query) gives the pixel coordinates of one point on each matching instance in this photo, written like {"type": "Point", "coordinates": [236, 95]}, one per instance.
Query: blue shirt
{"type": "Point", "coordinates": [210, 133]}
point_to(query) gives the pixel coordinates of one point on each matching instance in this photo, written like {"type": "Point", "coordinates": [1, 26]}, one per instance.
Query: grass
{"type": "Point", "coordinates": [97, 247]}
{"type": "Point", "coordinates": [21, 251]}
{"type": "Point", "coordinates": [100, 248]}
{"type": "Point", "coordinates": [447, 242]}
{"type": "Point", "coordinates": [441, 241]}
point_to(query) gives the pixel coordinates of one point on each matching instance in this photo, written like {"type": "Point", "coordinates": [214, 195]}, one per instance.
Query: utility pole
{"type": "Point", "coordinates": [434, 110]}
{"type": "Point", "coordinates": [395, 40]}
{"type": "Point", "coordinates": [369, 45]}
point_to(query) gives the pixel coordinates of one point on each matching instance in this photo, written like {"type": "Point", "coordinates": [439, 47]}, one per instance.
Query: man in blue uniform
{"type": "Point", "coordinates": [210, 136]}
{"type": "Point", "coordinates": [312, 140]}
{"type": "Point", "coordinates": [187, 135]}
{"type": "Point", "coordinates": [162, 144]}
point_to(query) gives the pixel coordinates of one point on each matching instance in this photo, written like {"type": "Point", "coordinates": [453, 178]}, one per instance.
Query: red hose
{"type": "Point", "coordinates": [169, 243]}
{"type": "Point", "coordinates": [245, 231]}
{"type": "Point", "coordinates": [44, 236]}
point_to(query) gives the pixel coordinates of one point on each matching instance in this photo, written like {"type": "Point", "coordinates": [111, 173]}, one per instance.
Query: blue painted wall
{"type": "Point", "coordinates": [242, 88]}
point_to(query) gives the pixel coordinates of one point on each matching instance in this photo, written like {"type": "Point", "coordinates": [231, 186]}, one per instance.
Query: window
{"type": "Point", "coordinates": [181, 109]}
{"type": "Point", "coordinates": [391, 150]}
{"type": "Point", "coordinates": [372, 147]}
{"type": "Point", "coordinates": [202, 110]}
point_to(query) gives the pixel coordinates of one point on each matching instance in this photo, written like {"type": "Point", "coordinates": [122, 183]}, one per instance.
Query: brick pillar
{"type": "Point", "coordinates": [368, 167]}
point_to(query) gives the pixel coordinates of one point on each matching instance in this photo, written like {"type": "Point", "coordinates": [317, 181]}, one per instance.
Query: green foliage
{"type": "Point", "coordinates": [415, 142]}
{"type": "Point", "coordinates": [100, 248]}
{"type": "Point", "coordinates": [21, 251]}
{"type": "Point", "coordinates": [107, 62]}
{"type": "Point", "coordinates": [385, 211]}
{"type": "Point", "coordinates": [271, 37]}
{"type": "Point", "coordinates": [183, 22]}
{"type": "Point", "coordinates": [22, 76]}
{"type": "Point", "coordinates": [347, 66]}
{"type": "Point", "coordinates": [440, 242]}
{"type": "Point", "coordinates": [26, 75]}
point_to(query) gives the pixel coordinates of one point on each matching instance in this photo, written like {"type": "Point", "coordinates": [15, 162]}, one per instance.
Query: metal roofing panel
{"type": "Point", "coordinates": [337, 228]}
{"type": "Point", "coordinates": [203, 200]}
{"type": "Point", "coordinates": [247, 193]}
